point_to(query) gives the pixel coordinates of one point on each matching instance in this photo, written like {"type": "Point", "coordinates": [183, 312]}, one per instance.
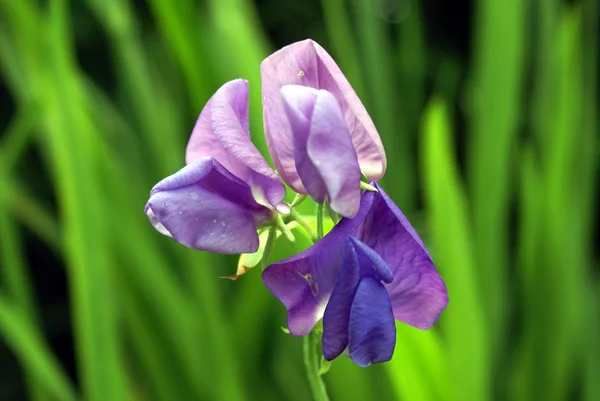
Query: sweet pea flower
{"type": "Point", "coordinates": [324, 156]}
{"type": "Point", "coordinates": [367, 272]}
{"type": "Point", "coordinates": [227, 190]}
{"type": "Point", "coordinates": [307, 64]}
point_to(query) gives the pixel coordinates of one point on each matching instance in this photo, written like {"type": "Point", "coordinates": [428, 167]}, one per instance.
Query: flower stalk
{"type": "Point", "coordinates": [268, 246]}
{"type": "Point", "coordinates": [311, 233]}
{"type": "Point", "coordinates": [311, 361]}
{"type": "Point", "coordinates": [311, 342]}
{"type": "Point", "coordinates": [280, 224]}
{"type": "Point", "coordinates": [320, 221]}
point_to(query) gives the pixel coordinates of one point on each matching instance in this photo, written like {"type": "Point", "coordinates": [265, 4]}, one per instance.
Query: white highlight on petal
{"type": "Point", "coordinates": [283, 208]}
{"type": "Point", "coordinates": [157, 224]}
{"type": "Point", "coordinates": [320, 310]}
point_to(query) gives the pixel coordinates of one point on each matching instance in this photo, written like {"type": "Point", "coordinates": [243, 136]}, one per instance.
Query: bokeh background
{"type": "Point", "coordinates": [488, 111]}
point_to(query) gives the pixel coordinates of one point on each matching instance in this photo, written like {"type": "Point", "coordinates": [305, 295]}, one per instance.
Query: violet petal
{"type": "Point", "coordinates": [324, 155]}
{"type": "Point", "coordinates": [418, 293]}
{"type": "Point", "coordinates": [205, 207]}
{"type": "Point", "coordinates": [222, 132]}
{"type": "Point", "coordinates": [336, 318]}
{"type": "Point", "coordinates": [307, 63]}
{"type": "Point", "coordinates": [299, 104]}
{"type": "Point", "coordinates": [304, 282]}
{"type": "Point", "coordinates": [372, 332]}
{"type": "Point", "coordinates": [204, 143]}
{"type": "Point", "coordinates": [371, 263]}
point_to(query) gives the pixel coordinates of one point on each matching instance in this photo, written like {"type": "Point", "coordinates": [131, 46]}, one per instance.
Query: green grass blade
{"type": "Point", "coordinates": [420, 367]}
{"type": "Point", "coordinates": [33, 353]}
{"type": "Point", "coordinates": [530, 267]}
{"type": "Point", "coordinates": [463, 322]}
{"type": "Point", "coordinates": [186, 32]}
{"type": "Point", "coordinates": [343, 45]}
{"type": "Point", "coordinates": [15, 281]}
{"type": "Point", "coordinates": [161, 373]}
{"type": "Point", "coordinates": [100, 363]}
{"type": "Point", "coordinates": [500, 39]}
{"type": "Point", "coordinates": [566, 270]}
{"type": "Point", "coordinates": [240, 37]}
{"type": "Point", "coordinates": [591, 389]}
{"type": "Point", "coordinates": [556, 262]}
{"type": "Point", "coordinates": [382, 103]}
{"type": "Point", "coordinates": [28, 211]}
{"type": "Point", "coordinates": [412, 65]}
{"type": "Point", "coordinates": [546, 15]}
{"type": "Point", "coordinates": [143, 93]}
{"type": "Point", "coordinates": [590, 23]}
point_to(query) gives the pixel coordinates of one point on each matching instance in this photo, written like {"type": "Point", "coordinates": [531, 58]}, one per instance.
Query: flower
{"type": "Point", "coordinates": [227, 189]}
{"type": "Point", "coordinates": [368, 271]}
{"type": "Point", "coordinates": [324, 156]}
{"type": "Point", "coordinates": [307, 64]}
{"type": "Point", "coordinates": [222, 132]}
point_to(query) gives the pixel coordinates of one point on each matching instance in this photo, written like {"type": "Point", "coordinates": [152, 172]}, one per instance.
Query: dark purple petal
{"type": "Point", "coordinates": [371, 264]}
{"type": "Point", "coordinates": [337, 314]}
{"type": "Point", "coordinates": [418, 293]}
{"type": "Point", "coordinates": [372, 332]}
{"type": "Point", "coordinates": [205, 207]}
{"type": "Point", "coordinates": [308, 64]}
{"type": "Point", "coordinates": [304, 282]}
{"type": "Point", "coordinates": [324, 155]}
{"type": "Point", "coordinates": [222, 132]}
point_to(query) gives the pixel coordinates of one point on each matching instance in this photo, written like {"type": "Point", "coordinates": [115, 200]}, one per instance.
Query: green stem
{"type": "Point", "coordinates": [298, 199]}
{"type": "Point", "coordinates": [319, 221]}
{"type": "Point", "coordinates": [311, 341]}
{"type": "Point", "coordinates": [283, 228]}
{"type": "Point", "coordinates": [304, 225]}
{"type": "Point", "coordinates": [311, 362]}
{"type": "Point", "coordinates": [268, 246]}
{"type": "Point", "coordinates": [332, 214]}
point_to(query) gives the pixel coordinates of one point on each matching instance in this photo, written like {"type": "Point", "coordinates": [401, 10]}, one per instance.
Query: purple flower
{"type": "Point", "coordinates": [368, 271]}
{"type": "Point", "coordinates": [227, 189]}
{"type": "Point", "coordinates": [324, 156]}
{"type": "Point", "coordinates": [290, 121]}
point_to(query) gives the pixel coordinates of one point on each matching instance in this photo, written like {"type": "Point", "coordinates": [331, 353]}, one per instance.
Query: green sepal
{"type": "Point", "coordinates": [325, 366]}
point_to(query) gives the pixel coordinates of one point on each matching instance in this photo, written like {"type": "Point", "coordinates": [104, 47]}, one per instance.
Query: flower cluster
{"type": "Point", "coordinates": [370, 269]}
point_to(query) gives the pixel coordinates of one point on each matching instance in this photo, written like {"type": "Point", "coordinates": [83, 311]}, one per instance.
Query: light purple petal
{"type": "Point", "coordinates": [299, 103]}
{"type": "Point", "coordinates": [204, 143]}
{"type": "Point", "coordinates": [372, 333]}
{"type": "Point", "coordinates": [336, 318]}
{"type": "Point", "coordinates": [204, 207]}
{"type": "Point", "coordinates": [307, 63]}
{"type": "Point", "coordinates": [418, 293]}
{"type": "Point", "coordinates": [222, 132]}
{"type": "Point", "coordinates": [324, 155]}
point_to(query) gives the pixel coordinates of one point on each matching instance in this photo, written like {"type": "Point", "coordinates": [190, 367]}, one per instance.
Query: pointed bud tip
{"type": "Point", "coordinates": [368, 187]}
{"type": "Point", "coordinates": [325, 366]}
{"type": "Point", "coordinates": [283, 208]}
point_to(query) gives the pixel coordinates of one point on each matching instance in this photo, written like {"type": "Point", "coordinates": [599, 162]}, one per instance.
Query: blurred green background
{"type": "Point", "coordinates": [488, 112]}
